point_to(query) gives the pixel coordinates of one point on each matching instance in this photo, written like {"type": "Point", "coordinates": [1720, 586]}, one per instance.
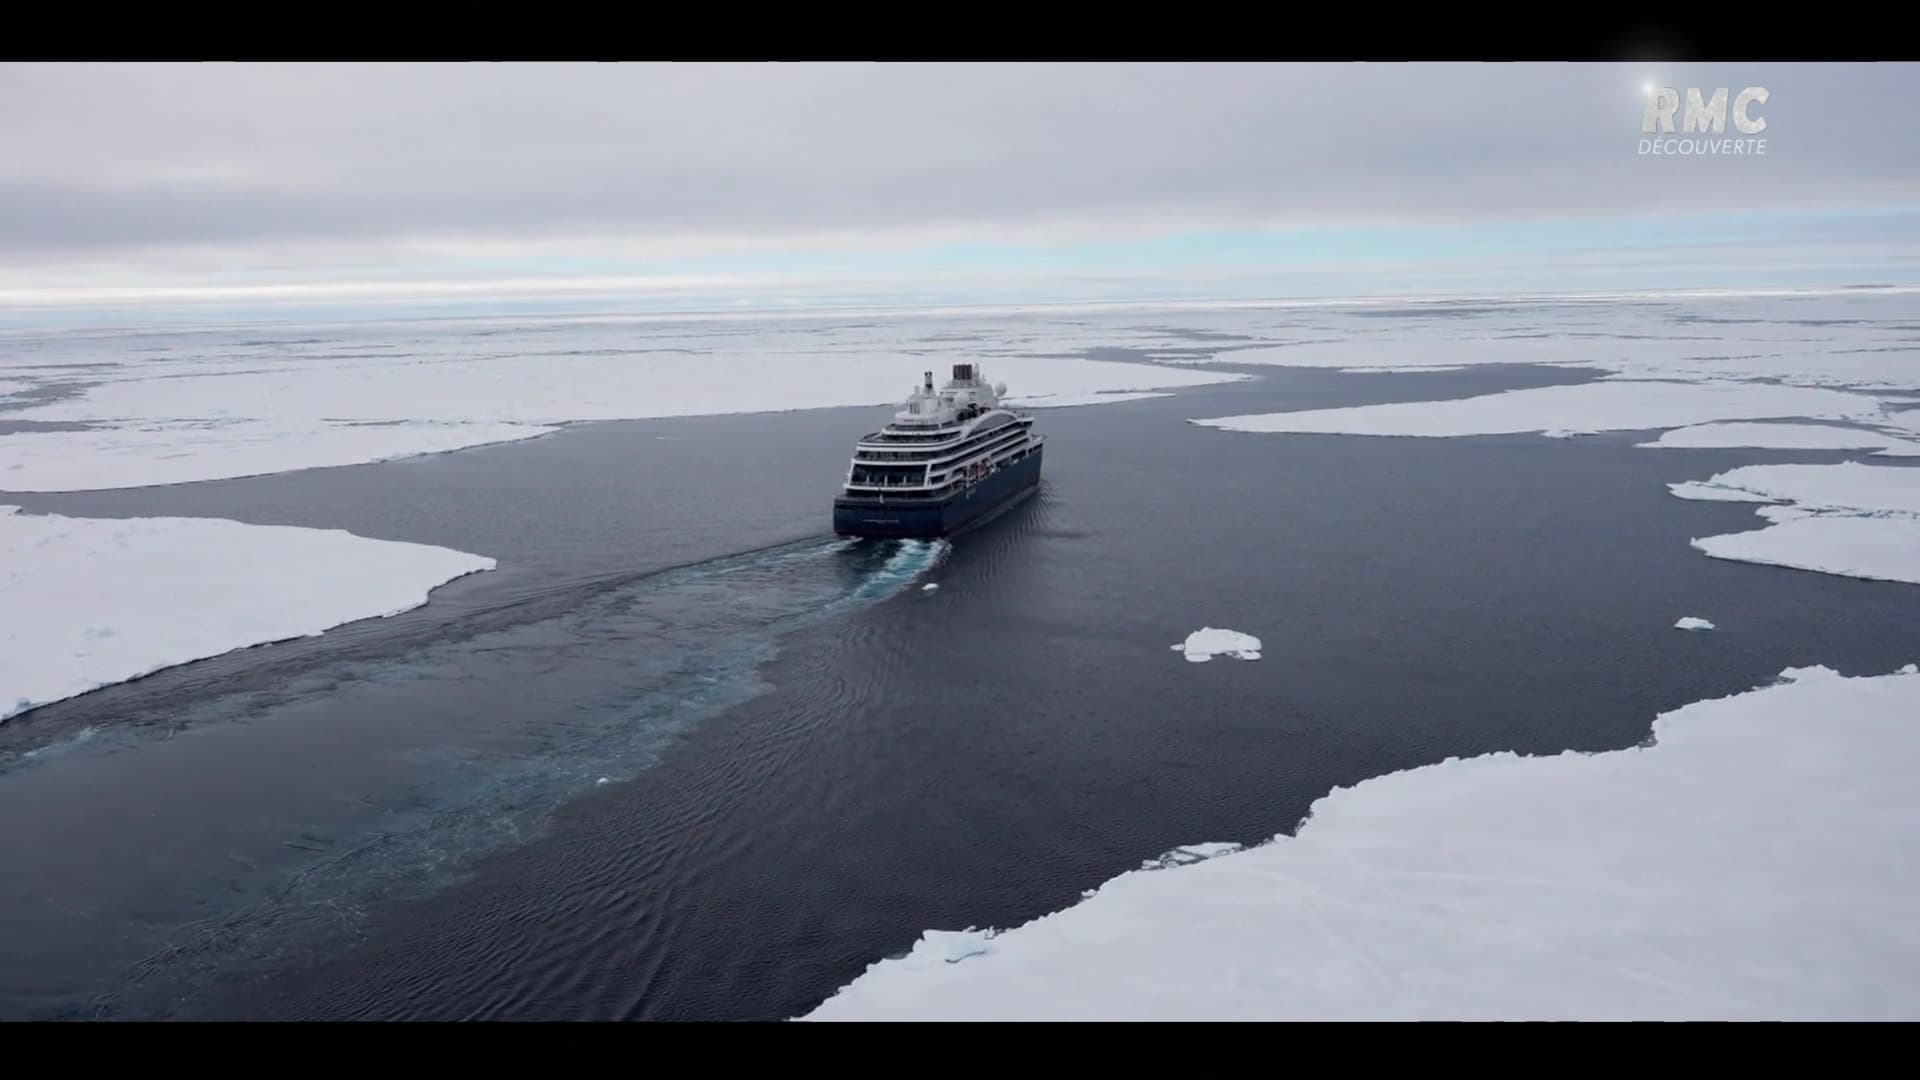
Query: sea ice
{"type": "Point", "coordinates": [1583, 407]}
{"type": "Point", "coordinates": [178, 453]}
{"type": "Point", "coordinates": [1411, 369]}
{"type": "Point", "coordinates": [1857, 339]}
{"type": "Point", "coordinates": [1784, 437]}
{"type": "Point", "coordinates": [518, 389]}
{"type": "Point", "coordinates": [943, 948]}
{"type": "Point", "coordinates": [1206, 643]}
{"type": "Point", "coordinates": [1876, 548]}
{"type": "Point", "coordinates": [1700, 491]}
{"type": "Point", "coordinates": [1850, 519]}
{"type": "Point", "coordinates": [1188, 854]}
{"type": "Point", "coordinates": [1692, 622]}
{"type": "Point", "coordinates": [1754, 862]}
{"type": "Point", "coordinates": [209, 406]}
{"type": "Point", "coordinates": [85, 603]}
{"type": "Point", "coordinates": [1848, 487]}
{"type": "Point", "coordinates": [1059, 401]}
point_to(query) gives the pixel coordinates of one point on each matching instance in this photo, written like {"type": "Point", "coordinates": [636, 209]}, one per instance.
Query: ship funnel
{"type": "Point", "coordinates": [929, 380]}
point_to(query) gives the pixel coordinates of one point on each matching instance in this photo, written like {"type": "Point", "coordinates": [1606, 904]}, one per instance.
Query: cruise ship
{"type": "Point", "coordinates": [951, 458]}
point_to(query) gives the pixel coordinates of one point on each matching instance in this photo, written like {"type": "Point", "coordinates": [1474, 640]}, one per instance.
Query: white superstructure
{"type": "Point", "coordinates": [941, 441]}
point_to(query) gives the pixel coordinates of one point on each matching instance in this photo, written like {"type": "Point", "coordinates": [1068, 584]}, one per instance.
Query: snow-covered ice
{"type": "Point", "coordinates": [1060, 401]}
{"type": "Point", "coordinates": [178, 453]}
{"type": "Point", "coordinates": [1877, 548]}
{"type": "Point", "coordinates": [1207, 642]}
{"type": "Point", "coordinates": [1848, 487]}
{"type": "Point", "coordinates": [519, 389]}
{"type": "Point", "coordinates": [85, 603]}
{"type": "Point", "coordinates": [1411, 369]}
{"type": "Point", "coordinates": [1851, 519]}
{"type": "Point", "coordinates": [1785, 437]}
{"type": "Point", "coordinates": [1693, 622]}
{"type": "Point", "coordinates": [172, 407]}
{"type": "Point", "coordinates": [1859, 339]}
{"type": "Point", "coordinates": [938, 948]}
{"type": "Point", "coordinates": [1754, 862]}
{"type": "Point", "coordinates": [1583, 407]}
{"type": "Point", "coordinates": [930, 586]}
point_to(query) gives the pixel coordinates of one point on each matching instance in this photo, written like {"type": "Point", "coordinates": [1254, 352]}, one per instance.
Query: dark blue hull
{"type": "Point", "coordinates": [906, 518]}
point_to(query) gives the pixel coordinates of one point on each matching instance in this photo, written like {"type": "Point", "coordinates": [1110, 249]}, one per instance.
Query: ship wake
{"type": "Point", "coordinates": [489, 752]}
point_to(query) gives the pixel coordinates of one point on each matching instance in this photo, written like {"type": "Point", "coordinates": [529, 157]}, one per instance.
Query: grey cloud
{"type": "Point", "coordinates": [99, 157]}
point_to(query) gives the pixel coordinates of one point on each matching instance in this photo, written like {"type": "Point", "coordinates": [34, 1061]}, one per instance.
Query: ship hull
{"type": "Point", "coordinates": [906, 519]}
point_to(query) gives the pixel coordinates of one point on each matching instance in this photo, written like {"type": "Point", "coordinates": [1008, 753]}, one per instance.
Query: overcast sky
{"type": "Point", "coordinates": [719, 183]}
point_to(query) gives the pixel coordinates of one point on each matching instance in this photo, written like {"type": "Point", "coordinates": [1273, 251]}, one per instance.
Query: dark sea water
{"type": "Point", "coordinates": [684, 755]}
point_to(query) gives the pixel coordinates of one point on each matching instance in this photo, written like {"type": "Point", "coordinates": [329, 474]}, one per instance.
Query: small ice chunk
{"type": "Point", "coordinates": [930, 586]}
{"type": "Point", "coordinates": [1207, 642]}
{"type": "Point", "coordinates": [602, 780]}
{"type": "Point", "coordinates": [1693, 622]}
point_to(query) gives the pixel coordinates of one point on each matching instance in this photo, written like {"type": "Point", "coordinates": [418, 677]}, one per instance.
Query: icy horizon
{"type": "Point", "coordinates": [185, 315]}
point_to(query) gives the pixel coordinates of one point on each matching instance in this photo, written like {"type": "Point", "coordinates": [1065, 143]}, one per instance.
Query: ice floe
{"type": "Point", "coordinates": [185, 406]}
{"type": "Point", "coordinates": [1207, 642]}
{"type": "Point", "coordinates": [1859, 339]}
{"type": "Point", "coordinates": [1851, 519]}
{"type": "Point", "coordinates": [1785, 437]}
{"type": "Point", "coordinates": [1693, 622]}
{"type": "Point", "coordinates": [177, 453]}
{"type": "Point", "coordinates": [1877, 548]}
{"type": "Point", "coordinates": [1411, 369]}
{"type": "Point", "coordinates": [1754, 861]}
{"type": "Point", "coordinates": [1568, 410]}
{"type": "Point", "coordinates": [1059, 401]}
{"type": "Point", "coordinates": [85, 603]}
{"type": "Point", "coordinates": [1848, 487]}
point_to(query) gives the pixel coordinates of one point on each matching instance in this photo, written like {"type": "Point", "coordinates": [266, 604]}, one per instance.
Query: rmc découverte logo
{"type": "Point", "coordinates": [1702, 115]}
